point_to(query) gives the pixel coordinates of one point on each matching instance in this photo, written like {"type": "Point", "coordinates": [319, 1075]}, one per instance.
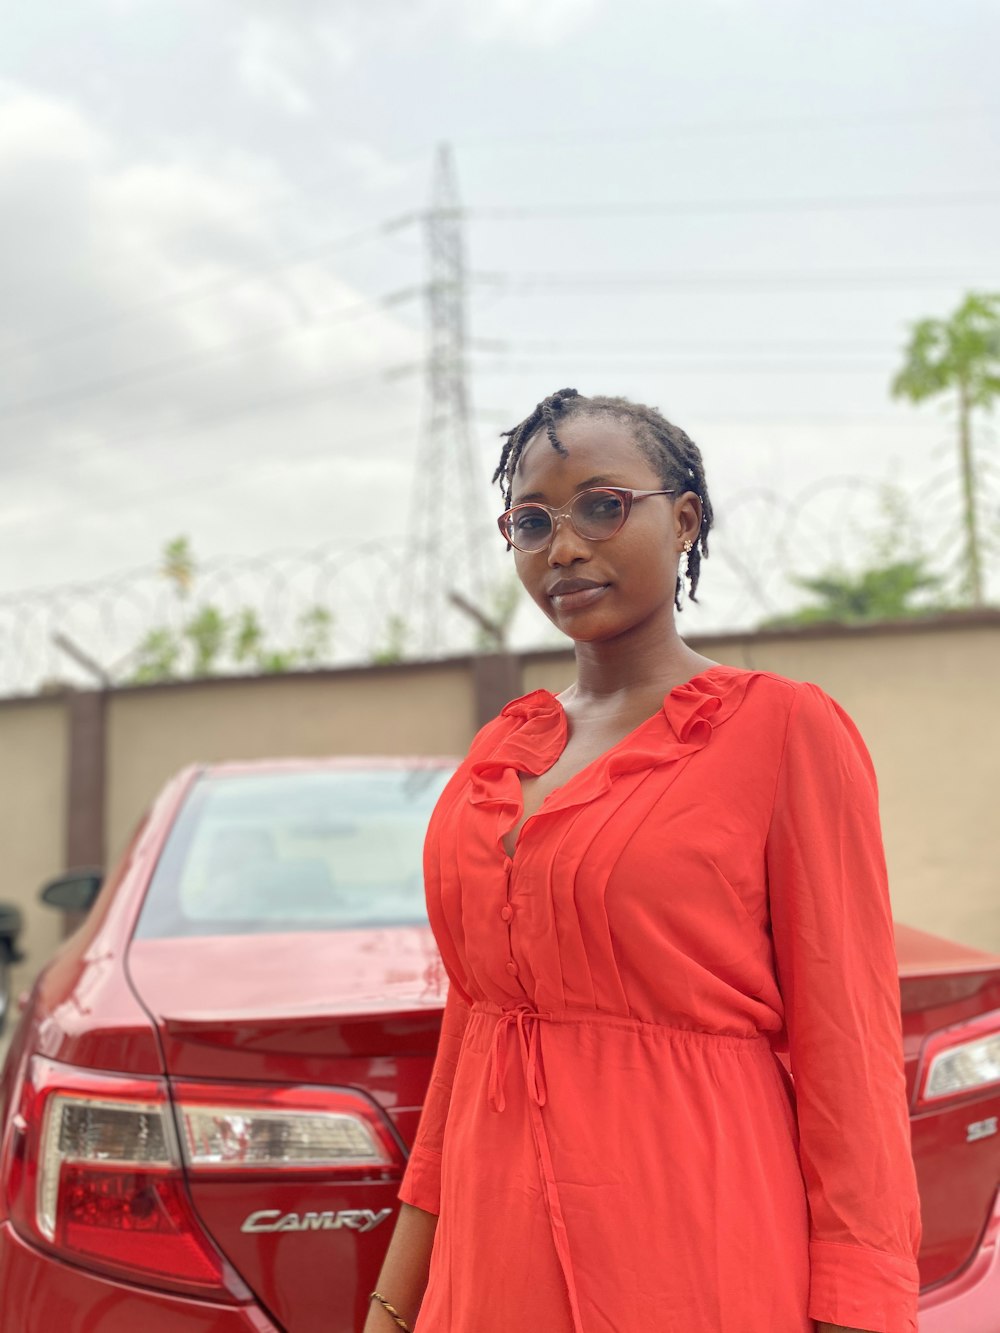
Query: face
{"type": "Point", "coordinates": [597, 590]}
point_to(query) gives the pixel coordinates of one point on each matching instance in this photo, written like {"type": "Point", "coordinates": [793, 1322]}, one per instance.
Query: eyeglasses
{"type": "Point", "coordinates": [596, 514]}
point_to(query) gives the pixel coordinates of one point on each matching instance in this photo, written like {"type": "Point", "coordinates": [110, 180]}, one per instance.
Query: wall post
{"type": "Point", "coordinates": [496, 680]}
{"type": "Point", "coordinates": [86, 778]}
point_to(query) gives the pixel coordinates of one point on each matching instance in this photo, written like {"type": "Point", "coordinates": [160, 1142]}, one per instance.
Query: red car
{"type": "Point", "coordinates": [207, 1103]}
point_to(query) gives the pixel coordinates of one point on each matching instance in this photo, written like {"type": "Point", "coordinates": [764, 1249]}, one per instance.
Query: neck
{"type": "Point", "coordinates": [649, 658]}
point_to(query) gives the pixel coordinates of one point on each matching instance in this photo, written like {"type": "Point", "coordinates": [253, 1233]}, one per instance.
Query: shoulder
{"type": "Point", "coordinates": [799, 712]}
{"type": "Point", "coordinates": [819, 734]}
{"type": "Point", "coordinates": [791, 699]}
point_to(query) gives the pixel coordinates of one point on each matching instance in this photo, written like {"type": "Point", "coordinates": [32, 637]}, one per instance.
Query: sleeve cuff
{"type": "Point", "coordinates": [421, 1185]}
{"type": "Point", "coordinates": [862, 1288]}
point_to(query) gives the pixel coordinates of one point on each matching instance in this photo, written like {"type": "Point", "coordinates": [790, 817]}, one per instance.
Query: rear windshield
{"type": "Point", "coordinates": [333, 850]}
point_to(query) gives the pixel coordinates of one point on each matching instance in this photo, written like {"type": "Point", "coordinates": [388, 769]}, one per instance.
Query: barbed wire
{"type": "Point", "coordinates": [765, 542]}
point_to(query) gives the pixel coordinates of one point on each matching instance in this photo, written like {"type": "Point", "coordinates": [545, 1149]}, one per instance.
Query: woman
{"type": "Point", "coordinates": [644, 891]}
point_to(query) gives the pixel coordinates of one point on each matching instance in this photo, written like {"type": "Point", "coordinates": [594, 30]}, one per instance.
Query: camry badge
{"type": "Point", "coordinates": [351, 1219]}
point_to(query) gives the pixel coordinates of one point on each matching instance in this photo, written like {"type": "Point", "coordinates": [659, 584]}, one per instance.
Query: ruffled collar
{"type": "Point", "coordinates": [538, 730]}
{"type": "Point", "coordinates": [703, 703]}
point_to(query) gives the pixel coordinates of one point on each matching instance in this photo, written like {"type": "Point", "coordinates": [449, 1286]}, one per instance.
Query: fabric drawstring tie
{"type": "Point", "coordinates": [525, 1022]}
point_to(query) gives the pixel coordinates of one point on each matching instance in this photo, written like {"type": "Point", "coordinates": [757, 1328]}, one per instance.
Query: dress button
{"type": "Point", "coordinates": [512, 968]}
{"type": "Point", "coordinates": [506, 912]}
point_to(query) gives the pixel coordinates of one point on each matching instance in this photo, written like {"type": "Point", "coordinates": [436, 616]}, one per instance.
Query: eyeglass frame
{"type": "Point", "coordinates": [628, 496]}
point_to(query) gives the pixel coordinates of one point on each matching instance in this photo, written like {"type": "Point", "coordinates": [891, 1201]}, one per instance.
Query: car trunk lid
{"type": "Point", "coordinates": [348, 1021]}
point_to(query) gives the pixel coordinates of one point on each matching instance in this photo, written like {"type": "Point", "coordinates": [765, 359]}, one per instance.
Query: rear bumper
{"type": "Point", "coordinates": [970, 1302]}
{"type": "Point", "coordinates": [41, 1294]}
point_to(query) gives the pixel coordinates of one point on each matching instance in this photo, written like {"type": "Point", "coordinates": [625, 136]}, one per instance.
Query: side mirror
{"type": "Point", "coordinates": [10, 929]}
{"type": "Point", "coordinates": [73, 892]}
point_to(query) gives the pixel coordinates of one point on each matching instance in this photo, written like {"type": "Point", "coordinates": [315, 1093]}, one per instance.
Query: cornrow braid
{"type": "Point", "coordinates": [544, 415]}
{"type": "Point", "coordinates": [671, 451]}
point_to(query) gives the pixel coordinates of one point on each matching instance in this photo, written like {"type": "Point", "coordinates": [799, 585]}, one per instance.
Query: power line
{"type": "Point", "coordinates": [804, 347]}
{"type": "Point", "coordinates": [188, 360]}
{"type": "Point", "coordinates": [698, 207]}
{"type": "Point", "coordinates": [246, 407]}
{"type": "Point", "coordinates": [580, 211]}
{"type": "Point", "coordinates": [736, 127]}
{"type": "Point", "coordinates": [201, 483]}
{"type": "Point", "coordinates": [738, 281]}
{"type": "Point", "coordinates": [677, 367]}
{"type": "Point", "coordinates": [189, 295]}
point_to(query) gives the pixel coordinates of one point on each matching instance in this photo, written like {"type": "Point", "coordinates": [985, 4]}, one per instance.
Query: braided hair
{"type": "Point", "coordinates": [674, 455]}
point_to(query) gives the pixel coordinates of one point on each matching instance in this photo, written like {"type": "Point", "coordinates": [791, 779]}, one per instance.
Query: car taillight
{"type": "Point", "coordinates": [95, 1174]}
{"type": "Point", "coordinates": [323, 1131]}
{"type": "Point", "coordinates": [960, 1061]}
{"type": "Point", "coordinates": [96, 1164]}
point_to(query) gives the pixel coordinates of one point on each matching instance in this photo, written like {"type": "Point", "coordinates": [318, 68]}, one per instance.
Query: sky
{"type": "Point", "coordinates": [212, 311]}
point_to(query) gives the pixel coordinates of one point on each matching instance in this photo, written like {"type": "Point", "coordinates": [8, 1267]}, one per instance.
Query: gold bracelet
{"type": "Point", "coordinates": [391, 1310]}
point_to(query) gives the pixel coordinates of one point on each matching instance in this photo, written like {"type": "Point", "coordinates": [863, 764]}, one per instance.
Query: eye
{"type": "Point", "coordinates": [603, 505]}
{"type": "Point", "coordinates": [529, 520]}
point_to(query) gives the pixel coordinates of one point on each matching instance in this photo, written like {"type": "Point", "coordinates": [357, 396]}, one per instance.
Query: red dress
{"type": "Point", "coordinates": [609, 1138]}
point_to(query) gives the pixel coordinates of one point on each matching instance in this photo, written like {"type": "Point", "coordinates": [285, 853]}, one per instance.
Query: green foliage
{"type": "Point", "coordinates": [158, 657]}
{"type": "Point", "coordinates": [206, 633]}
{"type": "Point", "coordinates": [895, 581]}
{"type": "Point", "coordinates": [961, 356]}
{"type": "Point", "coordinates": [392, 648]}
{"type": "Point", "coordinates": [880, 593]}
{"type": "Point", "coordinates": [247, 636]}
{"type": "Point", "coordinates": [178, 565]}
{"type": "Point", "coordinates": [271, 662]}
{"type": "Point", "coordinates": [315, 628]}
{"type": "Point", "coordinates": [957, 354]}
{"type": "Point", "coordinates": [208, 640]}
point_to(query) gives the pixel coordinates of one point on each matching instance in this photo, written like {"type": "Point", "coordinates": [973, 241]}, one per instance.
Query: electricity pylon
{"type": "Point", "coordinates": [448, 506]}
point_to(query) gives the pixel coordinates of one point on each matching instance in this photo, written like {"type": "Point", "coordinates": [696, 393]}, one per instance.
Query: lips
{"type": "Point", "coordinates": [575, 594]}
{"type": "Point", "coordinates": [563, 586]}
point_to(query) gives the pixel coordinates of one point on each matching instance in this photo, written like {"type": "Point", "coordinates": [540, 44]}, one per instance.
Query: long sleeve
{"type": "Point", "coordinates": [421, 1185]}
{"type": "Point", "coordinates": [836, 967]}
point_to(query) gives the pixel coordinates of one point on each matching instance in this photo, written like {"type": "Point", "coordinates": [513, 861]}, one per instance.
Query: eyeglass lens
{"type": "Point", "coordinates": [595, 514]}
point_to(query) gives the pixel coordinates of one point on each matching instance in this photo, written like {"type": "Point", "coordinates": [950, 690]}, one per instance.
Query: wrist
{"type": "Point", "coordinates": [392, 1316]}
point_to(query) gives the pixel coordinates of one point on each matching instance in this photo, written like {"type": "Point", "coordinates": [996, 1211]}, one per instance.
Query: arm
{"type": "Point", "coordinates": [841, 1328]}
{"type": "Point", "coordinates": [836, 966]}
{"type": "Point", "coordinates": [404, 1274]}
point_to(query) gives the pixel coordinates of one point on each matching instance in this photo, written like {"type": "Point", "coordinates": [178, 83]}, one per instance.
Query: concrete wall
{"type": "Point", "coordinates": [926, 696]}
{"type": "Point", "coordinates": [33, 763]}
{"type": "Point", "coordinates": [153, 732]}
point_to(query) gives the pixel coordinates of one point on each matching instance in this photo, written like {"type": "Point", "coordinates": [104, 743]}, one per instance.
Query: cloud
{"type": "Point", "coordinates": [36, 129]}
{"type": "Point", "coordinates": [524, 22]}
{"type": "Point", "coordinates": [280, 45]}
{"type": "Point", "coordinates": [159, 325]}
{"type": "Point", "coordinates": [271, 61]}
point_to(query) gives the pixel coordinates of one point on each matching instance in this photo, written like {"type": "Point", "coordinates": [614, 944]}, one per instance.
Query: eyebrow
{"type": "Point", "coordinates": [591, 481]}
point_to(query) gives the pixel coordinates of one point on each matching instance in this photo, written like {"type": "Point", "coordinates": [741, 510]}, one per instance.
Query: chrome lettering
{"type": "Point", "coordinates": [980, 1129]}
{"type": "Point", "coordinates": [351, 1219]}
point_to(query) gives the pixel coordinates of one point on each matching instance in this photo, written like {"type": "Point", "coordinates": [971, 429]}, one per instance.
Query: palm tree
{"type": "Point", "coordinates": [960, 355]}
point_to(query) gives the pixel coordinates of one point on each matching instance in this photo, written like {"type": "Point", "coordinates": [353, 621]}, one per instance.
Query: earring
{"type": "Point", "coordinates": [681, 586]}
{"type": "Point", "coordinates": [681, 589]}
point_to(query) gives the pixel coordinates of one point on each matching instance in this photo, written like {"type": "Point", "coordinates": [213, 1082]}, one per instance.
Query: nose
{"type": "Point", "coordinates": [567, 546]}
